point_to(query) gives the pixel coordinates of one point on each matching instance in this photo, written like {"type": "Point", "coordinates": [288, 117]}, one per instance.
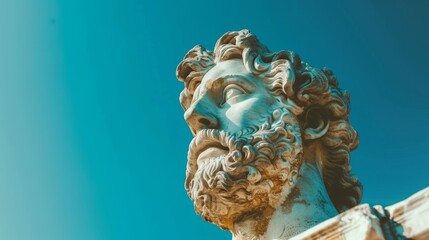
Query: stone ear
{"type": "Point", "coordinates": [316, 123]}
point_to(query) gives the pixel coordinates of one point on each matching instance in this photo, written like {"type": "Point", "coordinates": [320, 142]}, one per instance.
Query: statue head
{"type": "Point", "coordinates": [255, 115]}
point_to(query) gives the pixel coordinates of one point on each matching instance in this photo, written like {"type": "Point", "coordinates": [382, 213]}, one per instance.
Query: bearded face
{"type": "Point", "coordinates": [247, 150]}
{"type": "Point", "coordinates": [241, 103]}
{"type": "Point", "coordinates": [231, 175]}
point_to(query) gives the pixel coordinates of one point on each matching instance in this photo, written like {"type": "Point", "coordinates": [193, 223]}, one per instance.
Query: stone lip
{"type": "Point", "coordinates": [408, 219]}
{"type": "Point", "coordinates": [412, 215]}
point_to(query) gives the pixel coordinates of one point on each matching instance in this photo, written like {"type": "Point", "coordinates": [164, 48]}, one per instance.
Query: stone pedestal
{"type": "Point", "coordinates": [408, 219]}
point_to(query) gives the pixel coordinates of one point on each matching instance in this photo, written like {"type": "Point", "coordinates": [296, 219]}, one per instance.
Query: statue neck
{"type": "Point", "coordinates": [306, 205]}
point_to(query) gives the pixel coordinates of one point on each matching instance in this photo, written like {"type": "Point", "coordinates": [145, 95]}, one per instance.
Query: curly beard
{"type": "Point", "coordinates": [251, 172]}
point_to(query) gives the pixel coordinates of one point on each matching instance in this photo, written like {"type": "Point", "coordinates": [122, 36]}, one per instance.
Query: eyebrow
{"type": "Point", "coordinates": [232, 77]}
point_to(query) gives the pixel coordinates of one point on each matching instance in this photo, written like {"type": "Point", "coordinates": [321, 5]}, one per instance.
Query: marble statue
{"type": "Point", "coordinates": [270, 157]}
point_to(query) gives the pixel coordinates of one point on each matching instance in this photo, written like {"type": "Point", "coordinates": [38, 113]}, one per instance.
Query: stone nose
{"type": "Point", "coordinates": [201, 115]}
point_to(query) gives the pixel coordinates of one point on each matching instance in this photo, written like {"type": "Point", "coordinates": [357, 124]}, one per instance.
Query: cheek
{"type": "Point", "coordinates": [250, 112]}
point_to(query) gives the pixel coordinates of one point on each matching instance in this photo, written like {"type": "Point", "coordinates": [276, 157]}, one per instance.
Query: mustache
{"type": "Point", "coordinates": [240, 152]}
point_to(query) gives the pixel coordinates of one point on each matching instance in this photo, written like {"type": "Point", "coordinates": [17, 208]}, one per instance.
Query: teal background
{"type": "Point", "coordinates": [92, 139]}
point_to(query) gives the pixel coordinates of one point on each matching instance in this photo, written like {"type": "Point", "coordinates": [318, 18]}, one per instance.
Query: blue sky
{"type": "Point", "coordinates": [92, 138]}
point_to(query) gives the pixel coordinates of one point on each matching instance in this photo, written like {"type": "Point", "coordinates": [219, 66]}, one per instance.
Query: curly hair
{"type": "Point", "coordinates": [292, 80]}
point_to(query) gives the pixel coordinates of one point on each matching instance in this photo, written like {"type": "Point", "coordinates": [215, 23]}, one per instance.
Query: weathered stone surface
{"type": "Point", "coordinates": [356, 223]}
{"type": "Point", "coordinates": [410, 217]}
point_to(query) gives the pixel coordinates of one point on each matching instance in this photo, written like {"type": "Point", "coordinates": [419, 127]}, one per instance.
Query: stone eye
{"type": "Point", "coordinates": [230, 94]}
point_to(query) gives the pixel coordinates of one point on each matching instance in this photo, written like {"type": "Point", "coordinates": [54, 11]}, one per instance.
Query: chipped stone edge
{"type": "Point", "coordinates": [408, 219]}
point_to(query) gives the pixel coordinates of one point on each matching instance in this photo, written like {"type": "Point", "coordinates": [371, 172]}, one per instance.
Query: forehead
{"type": "Point", "coordinates": [226, 68]}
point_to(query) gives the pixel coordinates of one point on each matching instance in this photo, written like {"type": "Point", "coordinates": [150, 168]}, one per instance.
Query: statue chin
{"type": "Point", "coordinates": [231, 177]}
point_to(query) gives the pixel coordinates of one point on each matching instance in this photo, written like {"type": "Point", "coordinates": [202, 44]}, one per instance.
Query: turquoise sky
{"type": "Point", "coordinates": [92, 139]}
